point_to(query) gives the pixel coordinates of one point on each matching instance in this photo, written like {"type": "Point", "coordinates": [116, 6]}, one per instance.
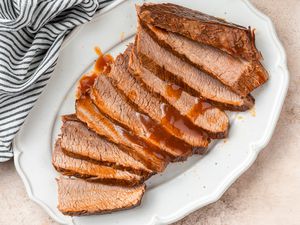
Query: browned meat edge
{"type": "Point", "coordinates": [231, 38]}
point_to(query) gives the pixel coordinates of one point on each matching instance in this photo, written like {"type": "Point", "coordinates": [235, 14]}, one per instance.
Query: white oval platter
{"type": "Point", "coordinates": [184, 187]}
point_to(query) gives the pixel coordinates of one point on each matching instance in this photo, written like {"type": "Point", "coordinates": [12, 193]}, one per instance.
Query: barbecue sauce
{"type": "Point", "coordinates": [173, 91]}
{"type": "Point", "coordinates": [85, 84]}
{"type": "Point", "coordinates": [198, 109]}
{"type": "Point", "coordinates": [148, 148]}
{"type": "Point", "coordinates": [180, 124]}
{"type": "Point", "coordinates": [159, 135]}
{"type": "Point", "coordinates": [102, 66]}
{"type": "Point", "coordinates": [103, 63]}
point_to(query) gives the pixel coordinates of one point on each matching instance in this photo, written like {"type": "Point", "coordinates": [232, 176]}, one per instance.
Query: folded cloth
{"type": "Point", "coordinates": [31, 34]}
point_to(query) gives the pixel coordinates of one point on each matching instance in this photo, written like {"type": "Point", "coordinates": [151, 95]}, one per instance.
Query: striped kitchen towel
{"type": "Point", "coordinates": [31, 34]}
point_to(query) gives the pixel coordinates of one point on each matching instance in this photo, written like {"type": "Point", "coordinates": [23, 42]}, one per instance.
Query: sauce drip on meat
{"type": "Point", "coordinates": [102, 66]}
{"type": "Point", "coordinates": [145, 146]}
{"type": "Point", "coordinates": [103, 63]}
{"type": "Point", "coordinates": [159, 135]}
{"type": "Point", "coordinates": [87, 111]}
{"type": "Point", "coordinates": [179, 123]}
{"type": "Point", "coordinates": [173, 91]}
{"type": "Point", "coordinates": [85, 84]}
{"type": "Point", "coordinates": [199, 108]}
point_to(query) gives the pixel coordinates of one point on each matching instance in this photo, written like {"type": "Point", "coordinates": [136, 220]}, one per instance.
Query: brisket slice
{"type": "Point", "coordinates": [210, 118]}
{"type": "Point", "coordinates": [236, 40]}
{"type": "Point", "coordinates": [78, 197]}
{"type": "Point", "coordinates": [169, 67]}
{"type": "Point", "coordinates": [112, 102]}
{"type": "Point", "coordinates": [80, 142]}
{"type": "Point", "coordinates": [153, 105]}
{"type": "Point", "coordinates": [86, 111]}
{"type": "Point", "coordinates": [90, 171]}
{"type": "Point", "coordinates": [240, 76]}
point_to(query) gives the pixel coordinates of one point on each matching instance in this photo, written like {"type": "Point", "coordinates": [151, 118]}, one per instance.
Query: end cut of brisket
{"type": "Point", "coordinates": [241, 76]}
{"type": "Point", "coordinates": [78, 197]}
{"type": "Point", "coordinates": [171, 68]}
{"type": "Point", "coordinates": [233, 39]}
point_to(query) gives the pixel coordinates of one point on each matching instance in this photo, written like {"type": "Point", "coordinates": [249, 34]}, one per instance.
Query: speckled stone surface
{"type": "Point", "coordinates": [268, 193]}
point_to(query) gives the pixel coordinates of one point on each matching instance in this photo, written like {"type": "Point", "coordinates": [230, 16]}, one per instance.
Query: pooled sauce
{"type": "Point", "coordinates": [159, 135]}
{"type": "Point", "coordinates": [103, 63]}
{"type": "Point", "coordinates": [198, 109]}
{"type": "Point", "coordinates": [180, 124]}
{"type": "Point", "coordinates": [85, 84]}
{"type": "Point", "coordinates": [173, 91]}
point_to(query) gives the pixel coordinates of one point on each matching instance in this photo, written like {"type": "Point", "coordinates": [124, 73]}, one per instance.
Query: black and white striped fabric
{"type": "Point", "coordinates": [31, 33]}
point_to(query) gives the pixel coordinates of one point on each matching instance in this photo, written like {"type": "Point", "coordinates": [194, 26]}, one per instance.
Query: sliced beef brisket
{"type": "Point", "coordinates": [241, 76]}
{"type": "Point", "coordinates": [90, 171]}
{"type": "Point", "coordinates": [86, 111]}
{"type": "Point", "coordinates": [231, 38]}
{"type": "Point", "coordinates": [169, 67]}
{"type": "Point", "coordinates": [153, 105]}
{"type": "Point", "coordinates": [210, 118]}
{"type": "Point", "coordinates": [112, 102]}
{"type": "Point", "coordinates": [80, 142]}
{"type": "Point", "coordinates": [78, 197]}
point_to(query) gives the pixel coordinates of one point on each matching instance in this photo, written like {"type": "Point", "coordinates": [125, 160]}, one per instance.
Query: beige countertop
{"type": "Point", "coordinates": [268, 193]}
